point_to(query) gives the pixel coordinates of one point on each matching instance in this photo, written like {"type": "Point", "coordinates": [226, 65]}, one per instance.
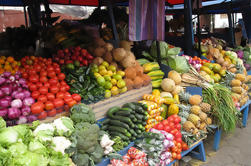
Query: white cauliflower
{"type": "Point", "coordinates": [61, 143]}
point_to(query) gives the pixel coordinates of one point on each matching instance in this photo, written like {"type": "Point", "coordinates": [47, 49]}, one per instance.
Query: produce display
{"type": "Point", "coordinates": [8, 64]}
{"type": "Point", "coordinates": [46, 83]}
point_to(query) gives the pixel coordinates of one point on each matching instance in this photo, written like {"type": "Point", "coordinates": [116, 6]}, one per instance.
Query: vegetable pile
{"type": "Point", "coordinates": [82, 82]}
{"type": "Point", "coordinates": [47, 86]}
{"type": "Point", "coordinates": [8, 64]}
{"type": "Point", "coordinates": [15, 99]}
{"type": "Point", "coordinates": [42, 144]}
{"type": "Point", "coordinates": [75, 55]}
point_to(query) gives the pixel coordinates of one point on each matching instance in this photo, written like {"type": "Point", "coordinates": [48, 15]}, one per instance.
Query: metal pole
{"type": "Point", "coordinates": [189, 36]}
{"type": "Point", "coordinates": [198, 28]}
{"type": "Point", "coordinates": [25, 17]}
{"type": "Point", "coordinates": [231, 31]}
{"type": "Point", "coordinates": [115, 33]}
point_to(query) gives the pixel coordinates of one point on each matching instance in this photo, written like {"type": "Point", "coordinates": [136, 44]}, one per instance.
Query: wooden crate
{"type": "Point", "coordinates": [100, 108]}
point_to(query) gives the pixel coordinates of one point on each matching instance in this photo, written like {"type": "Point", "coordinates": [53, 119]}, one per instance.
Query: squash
{"type": "Point", "coordinates": [119, 54]}
{"type": "Point", "coordinates": [195, 100]}
{"type": "Point", "coordinates": [175, 76]}
{"type": "Point", "coordinates": [177, 90]}
{"type": "Point", "coordinates": [173, 109]}
{"type": "Point", "coordinates": [240, 77]}
{"type": "Point", "coordinates": [166, 94]}
{"type": "Point", "coordinates": [168, 85]}
{"type": "Point", "coordinates": [235, 82]}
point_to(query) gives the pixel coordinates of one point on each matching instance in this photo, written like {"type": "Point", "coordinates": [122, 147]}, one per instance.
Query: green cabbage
{"type": "Point", "coordinates": [37, 147]}
{"type": "Point", "coordinates": [30, 159]}
{"type": "Point", "coordinates": [2, 123]}
{"type": "Point", "coordinates": [178, 63]}
{"type": "Point", "coordinates": [8, 136]}
{"type": "Point", "coordinates": [17, 149]}
{"type": "Point", "coordinates": [163, 49]}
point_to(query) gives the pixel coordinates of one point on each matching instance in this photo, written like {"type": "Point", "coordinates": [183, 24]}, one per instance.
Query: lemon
{"type": "Point", "coordinates": [101, 81]}
{"type": "Point", "coordinates": [108, 85]}
{"type": "Point", "coordinates": [112, 68]}
{"type": "Point", "coordinates": [114, 81]}
{"type": "Point", "coordinates": [122, 73]}
{"type": "Point", "coordinates": [108, 94]}
{"type": "Point", "coordinates": [107, 78]}
{"type": "Point", "coordinates": [123, 90]}
{"type": "Point", "coordinates": [97, 75]}
{"type": "Point", "coordinates": [121, 84]}
{"type": "Point", "coordinates": [103, 72]}
{"type": "Point", "coordinates": [115, 91]}
{"type": "Point", "coordinates": [106, 64]}
{"type": "Point", "coordinates": [101, 67]}
{"type": "Point", "coordinates": [109, 72]}
{"type": "Point", "coordinates": [117, 77]}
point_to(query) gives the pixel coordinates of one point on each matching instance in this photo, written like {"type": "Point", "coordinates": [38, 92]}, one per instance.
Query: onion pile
{"type": "Point", "coordinates": [15, 99]}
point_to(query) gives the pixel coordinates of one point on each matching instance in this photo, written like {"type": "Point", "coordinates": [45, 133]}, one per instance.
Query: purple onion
{"type": "Point", "coordinates": [13, 113]}
{"type": "Point", "coordinates": [4, 103]}
{"type": "Point", "coordinates": [12, 78]}
{"type": "Point", "coordinates": [6, 74]}
{"type": "Point", "coordinates": [22, 120]}
{"type": "Point", "coordinates": [19, 89]}
{"type": "Point", "coordinates": [28, 101]}
{"type": "Point", "coordinates": [26, 111]}
{"type": "Point", "coordinates": [31, 118]}
{"type": "Point", "coordinates": [22, 81]}
{"type": "Point", "coordinates": [1, 94]}
{"type": "Point", "coordinates": [14, 94]}
{"type": "Point", "coordinates": [17, 76]}
{"type": "Point", "coordinates": [20, 95]}
{"type": "Point", "coordinates": [3, 112]}
{"type": "Point", "coordinates": [17, 103]}
{"type": "Point", "coordinates": [2, 80]}
{"type": "Point", "coordinates": [26, 93]}
{"type": "Point", "coordinates": [8, 98]}
{"type": "Point", "coordinates": [6, 89]}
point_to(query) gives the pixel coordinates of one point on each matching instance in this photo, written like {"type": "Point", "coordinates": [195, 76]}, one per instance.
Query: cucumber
{"type": "Point", "coordinates": [139, 110]}
{"type": "Point", "coordinates": [139, 116]}
{"type": "Point", "coordinates": [123, 113]}
{"type": "Point", "coordinates": [106, 121]}
{"type": "Point", "coordinates": [122, 136]}
{"type": "Point", "coordinates": [120, 124]}
{"type": "Point", "coordinates": [127, 110]}
{"type": "Point", "coordinates": [129, 105]}
{"type": "Point", "coordinates": [104, 127]}
{"type": "Point", "coordinates": [134, 120]}
{"type": "Point", "coordinates": [138, 131]}
{"type": "Point", "coordinates": [132, 116]}
{"type": "Point", "coordinates": [123, 119]}
{"type": "Point", "coordinates": [133, 132]}
{"type": "Point", "coordinates": [133, 138]}
{"type": "Point", "coordinates": [111, 112]}
{"type": "Point", "coordinates": [119, 129]}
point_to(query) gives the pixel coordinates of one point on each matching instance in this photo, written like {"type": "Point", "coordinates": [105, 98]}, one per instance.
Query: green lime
{"type": "Point", "coordinates": [114, 81]}
{"type": "Point", "coordinates": [112, 68]}
{"type": "Point", "coordinates": [121, 84]}
{"type": "Point", "coordinates": [107, 78]}
{"type": "Point", "coordinates": [108, 85]}
{"type": "Point", "coordinates": [101, 81]}
{"type": "Point", "coordinates": [70, 66]}
{"type": "Point", "coordinates": [108, 94]}
{"type": "Point", "coordinates": [117, 77]}
{"type": "Point", "coordinates": [106, 64]}
{"type": "Point", "coordinates": [122, 73]}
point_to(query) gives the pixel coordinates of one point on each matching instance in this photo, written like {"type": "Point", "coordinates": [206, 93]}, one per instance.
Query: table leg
{"type": "Point", "coordinates": [245, 116]}
{"type": "Point", "coordinates": [217, 137]}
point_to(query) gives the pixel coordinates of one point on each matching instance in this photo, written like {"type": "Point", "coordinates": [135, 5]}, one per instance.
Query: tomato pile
{"type": "Point", "coordinates": [47, 86]}
{"type": "Point", "coordinates": [73, 55]}
{"type": "Point", "coordinates": [172, 125]}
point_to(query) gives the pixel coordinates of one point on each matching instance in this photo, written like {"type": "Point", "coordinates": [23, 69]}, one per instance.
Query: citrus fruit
{"type": "Point", "coordinates": [115, 91]}
{"type": "Point", "coordinates": [102, 67]}
{"type": "Point", "coordinates": [108, 94]}
{"type": "Point", "coordinates": [103, 72]}
{"type": "Point", "coordinates": [121, 84]}
{"type": "Point", "coordinates": [101, 81]}
{"type": "Point", "coordinates": [123, 90]}
{"type": "Point", "coordinates": [114, 81]}
{"type": "Point", "coordinates": [122, 73]}
{"type": "Point", "coordinates": [107, 78]}
{"type": "Point", "coordinates": [108, 85]}
{"type": "Point", "coordinates": [117, 76]}
{"type": "Point", "coordinates": [106, 64]}
{"type": "Point", "coordinates": [97, 75]}
{"type": "Point", "coordinates": [109, 72]}
{"type": "Point", "coordinates": [112, 68]}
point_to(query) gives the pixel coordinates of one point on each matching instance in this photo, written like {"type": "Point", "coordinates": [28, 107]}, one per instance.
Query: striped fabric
{"type": "Point", "coordinates": [146, 20]}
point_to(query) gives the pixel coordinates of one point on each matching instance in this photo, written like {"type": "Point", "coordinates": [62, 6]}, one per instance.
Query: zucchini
{"type": "Point", "coordinates": [120, 124]}
{"type": "Point", "coordinates": [138, 131]}
{"type": "Point", "coordinates": [106, 121]}
{"type": "Point", "coordinates": [111, 112]}
{"type": "Point", "coordinates": [139, 116]}
{"type": "Point", "coordinates": [123, 119]}
{"type": "Point", "coordinates": [122, 136]}
{"type": "Point", "coordinates": [127, 110]}
{"type": "Point", "coordinates": [133, 138]}
{"type": "Point", "coordinates": [133, 132]}
{"type": "Point", "coordinates": [129, 105]}
{"type": "Point", "coordinates": [123, 113]}
{"type": "Point", "coordinates": [139, 110]}
{"type": "Point", "coordinates": [119, 129]}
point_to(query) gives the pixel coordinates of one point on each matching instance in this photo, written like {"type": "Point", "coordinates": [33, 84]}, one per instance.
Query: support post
{"type": "Point", "coordinates": [198, 27]}
{"type": "Point", "coordinates": [231, 28]}
{"type": "Point", "coordinates": [246, 15]}
{"type": "Point", "coordinates": [114, 29]}
{"type": "Point", "coordinates": [25, 17]}
{"type": "Point", "coordinates": [189, 35]}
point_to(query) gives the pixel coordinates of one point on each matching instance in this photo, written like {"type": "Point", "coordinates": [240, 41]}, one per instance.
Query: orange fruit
{"type": "Point", "coordinates": [14, 64]}
{"type": "Point", "coordinates": [2, 61]}
{"type": "Point", "coordinates": [10, 59]}
{"type": "Point", "coordinates": [1, 71]}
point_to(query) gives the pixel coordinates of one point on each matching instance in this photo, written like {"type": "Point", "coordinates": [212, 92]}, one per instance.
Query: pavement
{"type": "Point", "coordinates": [234, 150]}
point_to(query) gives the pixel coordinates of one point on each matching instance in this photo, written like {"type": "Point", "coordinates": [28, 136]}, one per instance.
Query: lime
{"type": "Point", "coordinates": [121, 84]}
{"type": "Point", "coordinates": [108, 85]}
{"type": "Point", "coordinates": [95, 69]}
{"type": "Point", "coordinates": [70, 66]}
{"type": "Point", "coordinates": [112, 68]}
{"type": "Point", "coordinates": [106, 64]}
{"type": "Point", "coordinates": [114, 81]}
{"type": "Point", "coordinates": [97, 75]}
{"type": "Point", "coordinates": [107, 78]}
{"type": "Point", "coordinates": [108, 94]}
{"type": "Point", "coordinates": [123, 90]}
{"type": "Point", "coordinates": [115, 91]}
{"type": "Point", "coordinates": [102, 67]}
{"type": "Point", "coordinates": [101, 81]}
{"type": "Point", "coordinates": [117, 77]}
{"type": "Point", "coordinates": [109, 72]}
{"type": "Point", "coordinates": [103, 72]}
{"type": "Point", "coordinates": [122, 73]}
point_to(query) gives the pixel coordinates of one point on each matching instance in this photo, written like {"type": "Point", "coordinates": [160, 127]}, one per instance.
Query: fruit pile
{"type": "Point", "coordinates": [212, 72]}
{"type": "Point", "coordinates": [8, 65]}
{"type": "Point", "coordinates": [46, 82]}
{"type": "Point", "coordinates": [110, 78]}
{"type": "Point", "coordinates": [73, 55]}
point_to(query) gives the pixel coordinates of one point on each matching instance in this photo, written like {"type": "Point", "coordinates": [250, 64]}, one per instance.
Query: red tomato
{"type": "Point", "coordinates": [32, 72]}
{"type": "Point", "coordinates": [37, 107]}
{"type": "Point", "coordinates": [178, 135]}
{"type": "Point", "coordinates": [170, 119]}
{"type": "Point", "coordinates": [66, 108]}
{"type": "Point", "coordinates": [173, 132]}
{"type": "Point", "coordinates": [32, 87]}
{"type": "Point", "coordinates": [57, 70]}
{"type": "Point", "coordinates": [60, 95]}
{"type": "Point", "coordinates": [37, 68]}
{"type": "Point", "coordinates": [167, 129]}
{"type": "Point", "coordinates": [39, 84]}
{"type": "Point", "coordinates": [54, 89]}
{"type": "Point", "coordinates": [42, 115]}
{"type": "Point", "coordinates": [35, 94]}
{"type": "Point", "coordinates": [71, 103]}
{"type": "Point", "coordinates": [77, 97]}
{"type": "Point", "coordinates": [43, 90]}
{"type": "Point", "coordinates": [67, 98]}
{"type": "Point", "coordinates": [25, 75]}
{"type": "Point", "coordinates": [67, 87]}
{"type": "Point", "coordinates": [43, 79]}
{"type": "Point", "coordinates": [34, 78]}
{"type": "Point", "coordinates": [49, 105]}
{"type": "Point", "coordinates": [165, 122]}
{"type": "Point", "coordinates": [178, 156]}
{"type": "Point", "coordinates": [63, 83]}
{"type": "Point", "coordinates": [67, 94]}
{"type": "Point", "coordinates": [61, 76]}
{"type": "Point", "coordinates": [171, 124]}
{"type": "Point", "coordinates": [63, 88]}
{"type": "Point", "coordinates": [50, 69]}
{"type": "Point", "coordinates": [53, 81]}
{"type": "Point", "coordinates": [159, 126]}
{"type": "Point", "coordinates": [178, 126]}
{"type": "Point", "coordinates": [42, 98]}
{"type": "Point", "coordinates": [52, 112]}
{"type": "Point", "coordinates": [58, 103]}
{"type": "Point", "coordinates": [174, 155]}
{"type": "Point", "coordinates": [43, 73]}
{"type": "Point", "coordinates": [59, 110]}
{"type": "Point", "coordinates": [50, 96]}
{"type": "Point", "coordinates": [177, 119]}
{"type": "Point", "coordinates": [184, 146]}
{"type": "Point", "coordinates": [52, 74]}
{"type": "Point", "coordinates": [47, 84]}
{"type": "Point", "coordinates": [179, 140]}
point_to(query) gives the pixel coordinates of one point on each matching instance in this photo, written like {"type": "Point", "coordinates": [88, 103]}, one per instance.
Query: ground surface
{"type": "Point", "coordinates": [235, 149]}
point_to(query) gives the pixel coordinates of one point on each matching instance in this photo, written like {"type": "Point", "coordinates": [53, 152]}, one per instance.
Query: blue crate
{"type": "Point", "coordinates": [194, 90]}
